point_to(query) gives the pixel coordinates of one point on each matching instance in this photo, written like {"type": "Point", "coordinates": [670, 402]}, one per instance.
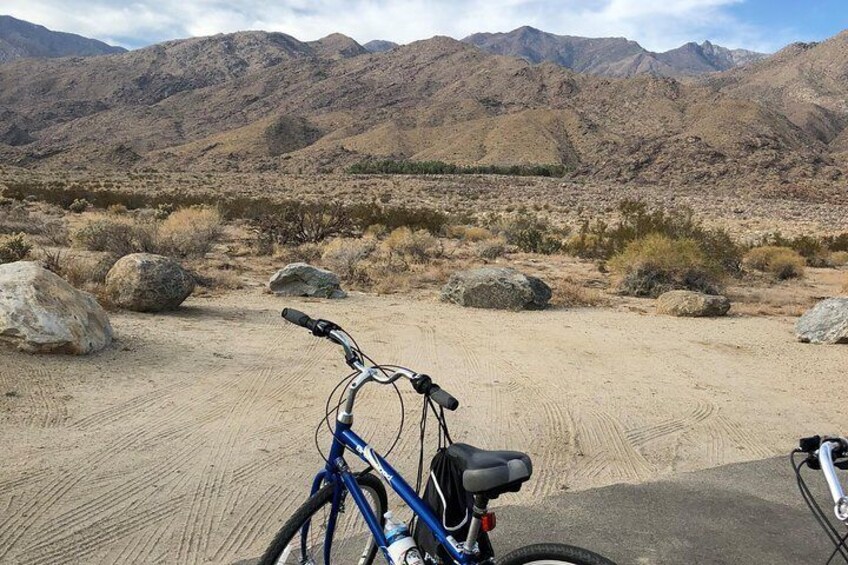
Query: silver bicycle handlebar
{"type": "Point", "coordinates": [825, 456]}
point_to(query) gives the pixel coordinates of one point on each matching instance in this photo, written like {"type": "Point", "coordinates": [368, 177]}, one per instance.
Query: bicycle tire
{"type": "Point", "coordinates": [553, 554]}
{"type": "Point", "coordinates": [311, 507]}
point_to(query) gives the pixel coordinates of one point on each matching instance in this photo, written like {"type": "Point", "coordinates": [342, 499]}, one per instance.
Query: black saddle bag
{"type": "Point", "coordinates": [452, 505]}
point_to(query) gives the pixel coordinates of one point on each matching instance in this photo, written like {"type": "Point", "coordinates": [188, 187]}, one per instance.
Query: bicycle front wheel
{"type": "Point", "coordinates": [553, 554]}
{"type": "Point", "coordinates": [301, 539]}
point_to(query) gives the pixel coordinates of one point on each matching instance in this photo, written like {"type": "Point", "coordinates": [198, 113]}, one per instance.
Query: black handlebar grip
{"type": "Point", "coordinates": [298, 318]}
{"type": "Point", "coordinates": [443, 398]}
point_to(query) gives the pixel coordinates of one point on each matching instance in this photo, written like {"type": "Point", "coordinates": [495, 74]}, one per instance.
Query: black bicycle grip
{"type": "Point", "coordinates": [443, 398]}
{"type": "Point", "coordinates": [298, 318]}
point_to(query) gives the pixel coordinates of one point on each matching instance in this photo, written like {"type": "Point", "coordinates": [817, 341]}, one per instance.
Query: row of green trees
{"type": "Point", "coordinates": [404, 167]}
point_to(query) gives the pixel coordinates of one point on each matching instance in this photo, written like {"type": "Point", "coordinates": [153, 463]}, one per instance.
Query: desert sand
{"type": "Point", "coordinates": [191, 439]}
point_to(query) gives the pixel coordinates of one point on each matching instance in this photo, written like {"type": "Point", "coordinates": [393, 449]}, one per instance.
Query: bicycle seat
{"type": "Point", "coordinates": [490, 473]}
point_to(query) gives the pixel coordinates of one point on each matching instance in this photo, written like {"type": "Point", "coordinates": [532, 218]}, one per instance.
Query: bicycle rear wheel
{"type": "Point", "coordinates": [352, 538]}
{"type": "Point", "coordinates": [553, 554]}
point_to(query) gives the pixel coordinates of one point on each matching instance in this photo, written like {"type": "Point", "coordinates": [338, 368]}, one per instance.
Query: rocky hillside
{"type": "Point", "coordinates": [20, 39]}
{"type": "Point", "coordinates": [611, 56]}
{"type": "Point", "coordinates": [260, 101]}
{"type": "Point", "coordinates": [379, 46]}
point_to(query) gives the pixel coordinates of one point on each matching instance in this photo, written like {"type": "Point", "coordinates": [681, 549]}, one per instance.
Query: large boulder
{"type": "Point", "coordinates": [41, 313]}
{"type": "Point", "coordinates": [144, 282]}
{"type": "Point", "coordinates": [301, 279]}
{"type": "Point", "coordinates": [498, 288]}
{"type": "Point", "coordinates": [692, 304]}
{"type": "Point", "coordinates": [826, 322]}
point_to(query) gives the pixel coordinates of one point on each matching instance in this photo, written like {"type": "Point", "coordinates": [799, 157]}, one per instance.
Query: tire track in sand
{"type": "Point", "coordinates": [642, 435]}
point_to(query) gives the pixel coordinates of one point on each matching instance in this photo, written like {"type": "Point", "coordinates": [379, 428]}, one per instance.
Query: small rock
{"type": "Point", "coordinates": [496, 288]}
{"type": "Point", "coordinates": [826, 322]}
{"type": "Point", "coordinates": [41, 313]}
{"type": "Point", "coordinates": [692, 304]}
{"type": "Point", "coordinates": [301, 279]}
{"type": "Point", "coordinates": [144, 282]}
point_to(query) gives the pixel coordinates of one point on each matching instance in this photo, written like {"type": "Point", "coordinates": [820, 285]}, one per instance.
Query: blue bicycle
{"type": "Point", "coordinates": [326, 530]}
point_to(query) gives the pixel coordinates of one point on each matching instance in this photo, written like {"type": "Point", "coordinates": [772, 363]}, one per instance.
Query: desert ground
{"type": "Point", "coordinates": [191, 439]}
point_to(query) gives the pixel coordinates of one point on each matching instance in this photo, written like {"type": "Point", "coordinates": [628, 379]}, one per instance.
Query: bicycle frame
{"type": "Point", "coordinates": [337, 473]}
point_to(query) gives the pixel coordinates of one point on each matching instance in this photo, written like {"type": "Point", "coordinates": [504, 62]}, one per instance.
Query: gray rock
{"type": "Point", "coordinates": [301, 279]}
{"type": "Point", "coordinates": [826, 322]}
{"type": "Point", "coordinates": [497, 288]}
{"type": "Point", "coordinates": [144, 282]}
{"type": "Point", "coordinates": [692, 304]}
{"type": "Point", "coordinates": [41, 313]}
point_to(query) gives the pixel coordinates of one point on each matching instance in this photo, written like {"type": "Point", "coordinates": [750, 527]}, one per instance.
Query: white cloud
{"type": "Point", "coordinates": [657, 24]}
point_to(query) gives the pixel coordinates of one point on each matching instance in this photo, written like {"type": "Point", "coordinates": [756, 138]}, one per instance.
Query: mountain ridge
{"type": "Point", "coordinates": [611, 56]}
{"type": "Point", "coordinates": [21, 39]}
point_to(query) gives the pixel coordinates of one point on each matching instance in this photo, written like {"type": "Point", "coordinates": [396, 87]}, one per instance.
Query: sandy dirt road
{"type": "Point", "coordinates": [190, 440]}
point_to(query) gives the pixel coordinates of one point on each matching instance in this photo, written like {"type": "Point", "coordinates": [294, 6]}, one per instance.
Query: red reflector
{"type": "Point", "coordinates": [488, 522]}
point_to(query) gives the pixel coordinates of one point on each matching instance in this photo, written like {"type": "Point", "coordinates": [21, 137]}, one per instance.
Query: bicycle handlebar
{"type": "Point", "coordinates": [422, 384]}
{"type": "Point", "coordinates": [823, 451]}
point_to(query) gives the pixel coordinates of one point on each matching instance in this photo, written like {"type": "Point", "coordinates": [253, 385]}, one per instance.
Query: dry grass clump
{"type": "Point", "coordinates": [782, 262]}
{"type": "Point", "coordinates": [656, 263]}
{"type": "Point", "coordinates": [839, 258]}
{"type": "Point", "coordinates": [468, 233]}
{"type": "Point", "coordinates": [571, 294]}
{"type": "Point", "coordinates": [490, 249]}
{"type": "Point", "coordinates": [411, 246]}
{"type": "Point", "coordinates": [189, 232]}
{"type": "Point", "coordinates": [14, 247]}
{"type": "Point", "coordinates": [347, 256]}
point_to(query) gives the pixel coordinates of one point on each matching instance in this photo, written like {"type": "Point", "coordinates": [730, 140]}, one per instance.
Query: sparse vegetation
{"type": "Point", "coordinates": [402, 167]}
{"type": "Point", "coordinates": [656, 263]}
{"type": "Point", "coordinates": [14, 247]}
{"type": "Point", "coordinates": [189, 232]}
{"type": "Point", "coordinates": [411, 246]}
{"type": "Point", "coordinates": [114, 234]}
{"type": "Point", "coordinates": [782, 262]}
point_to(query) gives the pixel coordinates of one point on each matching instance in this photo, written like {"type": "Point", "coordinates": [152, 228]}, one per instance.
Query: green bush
{"type": "Point", "coordinates": [598, 240]}
{"type": "Point", "coordinates": [14, 247]}
{"type": "Point", "coordinates": [782, 262]}
{"type": "Point", "coordinates": [404, 167]}
{"type": "Point", "coordinates": [656, 263]}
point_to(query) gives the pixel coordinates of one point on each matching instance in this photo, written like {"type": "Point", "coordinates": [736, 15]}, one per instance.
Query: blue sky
{"type": "Point", "coordinates": [764, 25]}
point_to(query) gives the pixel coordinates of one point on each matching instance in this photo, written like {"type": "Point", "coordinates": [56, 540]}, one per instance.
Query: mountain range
{"type": "Point", "coordinates": [20, 39]}
{"type": "Point", "coordinates": [612, 56]}
{"type": "Point", "coordinates": [257, 101]}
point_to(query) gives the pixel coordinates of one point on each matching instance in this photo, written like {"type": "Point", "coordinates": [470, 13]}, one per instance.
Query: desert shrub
{"type": "Point", "coordinates": [115, 234]}
{"type": "Point", "coordinates": [14, 247]}
{"type": "Point", "coordinates": [189, 232]}
{"type": "Point", "coordinates": [836, 242]}
{"type": "Point", "coordinates": [299, 223]}
{"type": "Point", "coordinates": [532, 234]}
{"type": "Point", "coordinates": [84, 270]}
{"type": "Point", "coordinates": [162, 211]}
{"type": "Point", "coordinates": [782, 262]}
{"type": "Point", "coordinates": [572, 294]}
{"type": "Point", "coordinates": [656, 263]}
{"type": "Point", "coordinates": [79, 205]}
{"type": "Point", "coordinates": [345, 257]}
{"type": "Point", "coordinates": [392, 217]}
{"type": "Point", "coordinates": [839, 258]}
{"type": "Point", "coordinates": [413, 246]}
{"type": "Point", "coordinates": [403, 167]}
{"type": "Point", "coordinates": [303, 253]}
{"type": "Point", "coordinates": [117, 209]}
{"type": "Point", "coordinates": [376, 230]}
{"type": "Point", "coordinates": [468, 233]}
{"type": "Point", "coordinates": [814, 250]}
{"type": "Point", "coordinates": [598, 240]}
{"type": "Point", "coordinates": [490, 249]}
